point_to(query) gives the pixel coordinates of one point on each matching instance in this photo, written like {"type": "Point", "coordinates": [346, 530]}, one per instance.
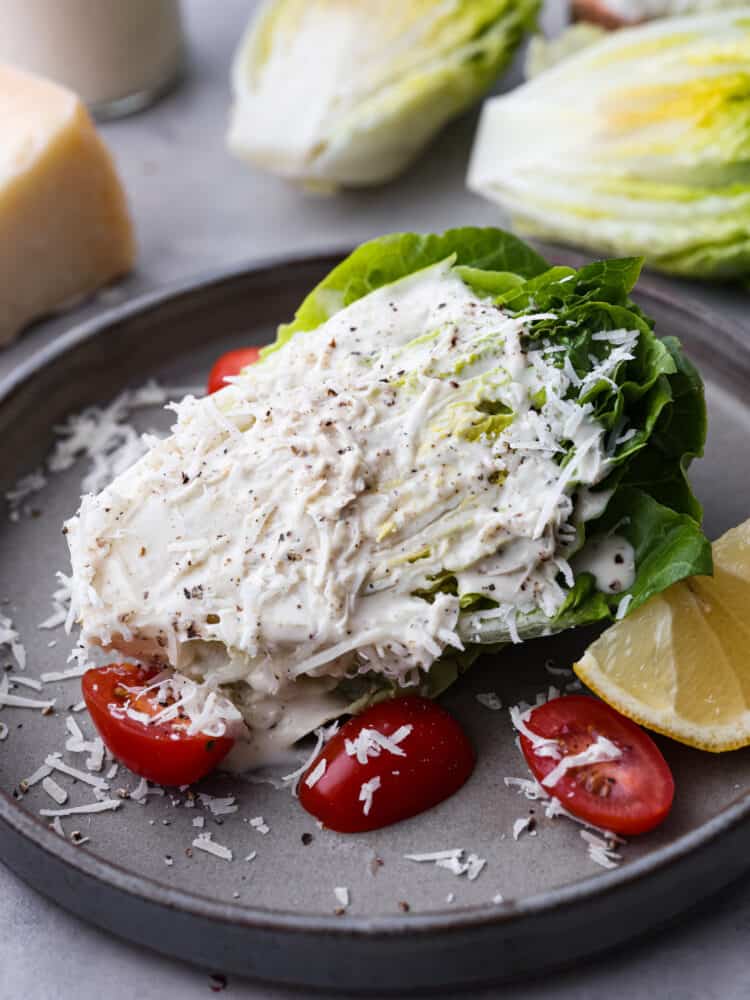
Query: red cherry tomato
{"type": "Point", "coordinates": [162, 752]}
{"type": "Point", "coordinates": [231, 363]}
{"type": "Point", "coordinates": [396, 760]}
{"type": "Point", "coordinates": [628, 795]}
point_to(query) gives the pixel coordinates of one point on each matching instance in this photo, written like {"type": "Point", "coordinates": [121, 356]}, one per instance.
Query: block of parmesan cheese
{"type": "Point", "coordinates": [64, 223]}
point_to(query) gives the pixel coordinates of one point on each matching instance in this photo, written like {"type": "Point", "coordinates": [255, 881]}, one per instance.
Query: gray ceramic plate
{"type": "Point", "coordinates": [273, 917]}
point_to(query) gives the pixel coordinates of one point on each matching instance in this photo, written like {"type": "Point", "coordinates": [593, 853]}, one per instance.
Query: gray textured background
{"type": "Point", "coordinates": [195, 210]}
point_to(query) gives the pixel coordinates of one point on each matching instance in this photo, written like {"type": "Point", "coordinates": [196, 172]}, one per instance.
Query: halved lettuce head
{"type": "Point", "coordinates": [655, 393]}
{"type": "Point", "coordinates": [639, 145]}
{"type": "Point", "coordinates": [338, 93]}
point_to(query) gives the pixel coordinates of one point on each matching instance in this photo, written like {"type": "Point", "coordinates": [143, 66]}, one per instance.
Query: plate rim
{"type": "Point", "coordinates": [455, 920]}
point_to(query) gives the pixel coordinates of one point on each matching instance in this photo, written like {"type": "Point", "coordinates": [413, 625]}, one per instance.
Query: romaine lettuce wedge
{"type": "Point", "coordinates": [333, 94]}
{"type": "Point", "coordinates": [636, 145]}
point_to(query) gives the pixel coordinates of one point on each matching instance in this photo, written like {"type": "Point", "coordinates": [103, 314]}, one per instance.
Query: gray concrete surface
{"type": "Point", "coordinates": [196, 209]}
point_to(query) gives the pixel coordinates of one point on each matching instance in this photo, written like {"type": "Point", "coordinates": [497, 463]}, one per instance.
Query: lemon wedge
{"type": "Point", "coordinates": [680, 664]}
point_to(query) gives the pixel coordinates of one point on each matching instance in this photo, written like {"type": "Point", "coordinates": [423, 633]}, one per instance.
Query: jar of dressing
{"type": "Point", "coordinates": [118, 55]}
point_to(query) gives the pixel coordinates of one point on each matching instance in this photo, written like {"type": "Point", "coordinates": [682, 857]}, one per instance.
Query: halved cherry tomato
{"type": "Point", "coordinates": [231, 363]}
{"type": "Point", "coordinates": [395, 760]}
{"type": "Point", "coordinates": [162, 752]}
{"type": "Point", "coordinates": [631, 794]}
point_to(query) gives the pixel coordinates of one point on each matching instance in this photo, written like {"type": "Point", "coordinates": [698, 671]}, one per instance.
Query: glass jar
{"type": "Point", "coordinates": [118, 55]}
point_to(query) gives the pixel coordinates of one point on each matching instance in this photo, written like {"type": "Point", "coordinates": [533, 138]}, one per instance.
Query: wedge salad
{"type": "Point", "coordinates": [452, 446]}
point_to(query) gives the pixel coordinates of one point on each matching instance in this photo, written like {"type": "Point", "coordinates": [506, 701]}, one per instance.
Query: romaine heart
{"type": "Point", "coordinates": [398, 759]}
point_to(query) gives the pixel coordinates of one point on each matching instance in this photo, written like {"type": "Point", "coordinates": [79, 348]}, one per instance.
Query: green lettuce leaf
{"type": "Point", "coordinates": [385, 260]}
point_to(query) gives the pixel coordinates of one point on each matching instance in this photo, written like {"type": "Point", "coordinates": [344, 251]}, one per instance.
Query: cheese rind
{"type": "Point", "coordinates": [65, 229]}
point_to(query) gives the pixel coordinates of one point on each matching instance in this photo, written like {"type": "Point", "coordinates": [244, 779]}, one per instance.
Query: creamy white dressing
{"type": "Point", "coordinates": [611, 561]}
{"type": "Point", "coordinates": [276, 542]}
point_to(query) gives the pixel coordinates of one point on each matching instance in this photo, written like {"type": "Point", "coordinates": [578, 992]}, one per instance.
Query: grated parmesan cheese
{"type": "Point", "coordinates": [63, 675]}
{"type": "Point", "coordinates": [54, 761]}
{"type": "Point", "coordinates": [18, 701]}
{"type": "Point", "coordinates": [60, 604]}
{"type": "Point", "coordinates": [454, 852]}
{"type": "Point", "coordinates": [27, 486]}
{"type": "Point", "coordinates": [54, 791]}
{"type": "Point", "coordinates": [623, 606]}
{"type": "Point", "coordinates": [322, 735]}
{"type": "Point", "coordinates": [205, 842]}
{"type": "Point", "coordinates": [596, 753]}
{"type": "Point", "coordinates": [521, 825]}
{"type": "Point", "coordinates": [29, 682]}
{"type": "Point", "coordinates": [601, 851]}
{"type": "Point", "coordinates": [542, 747]}
{"type": "Point", "coordinates": [370, 743]}
{"type": "Point", "coordinates": [218, 806]}
{"type": "Point", "coordinates": [106, 805]}
{"type": "Point", "coordinates": [316, 774]}
{"type": "Point", "coordinates": [490, 700]}
{"type": "Point", "coordinates": [529, 787]}
{"type": "Point", "coordinates": [36, 777]}
{"type": "Point", "coordinates": [342, 895]}
{"type": "Point", "coordinates": [143, 790]}
{"type": "Point", "coordinates": [10, 637]}
{"type": "Point", "coordinates": [366, 793]}
{"type": "Point", "coordinates": [453, 861]}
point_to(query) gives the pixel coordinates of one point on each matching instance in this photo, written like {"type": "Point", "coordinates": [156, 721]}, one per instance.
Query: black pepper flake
{"type": "Point", "coordinates": [404, 906]}
{"type": "Point", "coordinates": [307, 839]}
{"type": "Point", "coordinates": [619, 559]}
{"type": "Point", "coordinates": [185, 478]}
